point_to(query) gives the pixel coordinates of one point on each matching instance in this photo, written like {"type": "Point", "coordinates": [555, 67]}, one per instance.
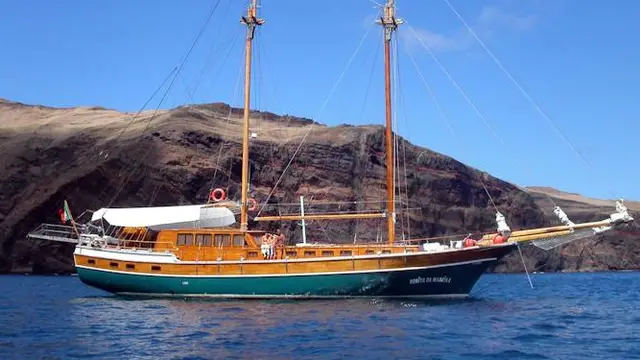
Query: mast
{"type": "Point", "coordinates": [251, 21]}
{"type": "Point", "coordinates": [389, 24]}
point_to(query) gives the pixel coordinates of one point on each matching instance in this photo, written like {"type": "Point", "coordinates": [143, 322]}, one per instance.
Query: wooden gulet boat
{"type": "Point", "coordinates": [195, 251]}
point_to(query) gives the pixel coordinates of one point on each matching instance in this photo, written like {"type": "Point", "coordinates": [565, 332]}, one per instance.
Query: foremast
{"type": "Point", "coordinates": [389, 24]}
{"type": "Point", "coordinates": [251, 21]}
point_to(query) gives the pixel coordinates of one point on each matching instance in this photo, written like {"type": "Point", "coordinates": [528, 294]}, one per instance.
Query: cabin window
{"type": "Point", "coordinates": [369, 252]}
{"type": "Point", "coordinates": [222, 240]}
{"type": "Point", "coordinates": [185, 239]}
{"type": "Point", "coordinates": [386, 251]}
{"type": "Point", "coordinates": [327, 253]}
{"type": "Point", "coordinates": [203, 239]}
{"type": "Point", "coordinates": [113, 264]}
{"type": "Point", "coordinates": [292, 253]}
{"type": "Point", "coordinates": [346, 253]}
{"type": "Point", "coordinates": [155, 268]}
{"type": "Point", "coordinates": [252, 254]}
{"type": "Point", "coordinates": [238, 240]}
{"type": "Point", "coordinates": [309, 253]}
{"type": "Point", "coordinates": [130, 266]}
{"type": "Point", "coordinates": [91, 262]}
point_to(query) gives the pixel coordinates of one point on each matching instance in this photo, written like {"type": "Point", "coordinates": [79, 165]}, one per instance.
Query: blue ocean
{"type": "Point", "coordinates": [565, 316]}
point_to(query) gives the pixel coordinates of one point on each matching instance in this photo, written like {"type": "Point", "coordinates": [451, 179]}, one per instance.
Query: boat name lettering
{"type": "Point", "coordinates": [424, 280]}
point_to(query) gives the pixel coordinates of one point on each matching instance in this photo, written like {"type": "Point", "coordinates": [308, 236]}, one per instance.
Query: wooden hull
{"type": "Point", "coordinates": [425, 275]}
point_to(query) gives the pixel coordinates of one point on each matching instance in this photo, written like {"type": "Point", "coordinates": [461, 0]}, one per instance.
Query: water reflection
{"type": "Point", "coordinates": [250, 327]}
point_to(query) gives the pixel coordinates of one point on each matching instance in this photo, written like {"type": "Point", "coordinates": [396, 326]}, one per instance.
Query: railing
{"type": "Point", "coordinates": [54, 232]}
{"type": "Point", "coordinates": [147, 245]}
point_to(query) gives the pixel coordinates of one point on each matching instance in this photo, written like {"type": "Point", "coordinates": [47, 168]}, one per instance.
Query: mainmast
{"type": "Point", "coordinates": [389, 24]}
{"type": "Point", "coordinates": [251, 21]}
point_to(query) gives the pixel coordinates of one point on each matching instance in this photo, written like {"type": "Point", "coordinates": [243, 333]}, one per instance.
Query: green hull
{"type": "Point", "coordinates": [442, 281]}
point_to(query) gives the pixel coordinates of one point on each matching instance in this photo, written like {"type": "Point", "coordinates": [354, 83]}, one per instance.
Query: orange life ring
{"type": "Point", "coordinates": [253, 204]}
{"type": "Point", "coordinates": [217, 195]}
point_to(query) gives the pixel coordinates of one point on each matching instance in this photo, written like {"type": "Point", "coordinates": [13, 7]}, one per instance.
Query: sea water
{"type": "Point", "coordinates": [565, 316]}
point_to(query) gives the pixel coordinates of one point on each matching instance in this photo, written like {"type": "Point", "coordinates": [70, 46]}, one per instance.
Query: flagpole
{"type": "Point", "coordinates": [73, 222]}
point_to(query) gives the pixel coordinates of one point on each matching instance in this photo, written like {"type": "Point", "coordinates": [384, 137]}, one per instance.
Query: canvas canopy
{"type": "Point", "coordinates": [167, 217]}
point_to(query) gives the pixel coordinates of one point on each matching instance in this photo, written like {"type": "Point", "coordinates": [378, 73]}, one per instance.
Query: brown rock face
{"type": "Point", "coordinates": [95, 158]}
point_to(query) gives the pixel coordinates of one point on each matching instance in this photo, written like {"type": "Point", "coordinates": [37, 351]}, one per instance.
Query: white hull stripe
{"type": "Point", "coordinates": [127, 255]}
{"type": "Point", "coordinates": [479, 261]}
{"type": "Point", "coordinates": [170, 259]}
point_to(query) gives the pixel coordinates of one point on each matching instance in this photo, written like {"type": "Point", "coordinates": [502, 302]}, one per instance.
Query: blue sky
{"type": "Point", "coordinates": [576, 58]}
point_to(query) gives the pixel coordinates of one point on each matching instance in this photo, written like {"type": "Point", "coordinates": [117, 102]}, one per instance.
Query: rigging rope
{"type": "Point", "coordinates": [404, 143]}
{"type": "Point", "coordinates": [117, 137]}
{"type": "Point", "coordinates": [227, 118]}
{"type": "Point", "coordinates": [464, 95]}
{"type": "Point", "coordinates": [368, 87]}
{"type": "Point", "coordinates": [257, 84]}
{"type": "Point", "coordinates": [522, 90]}
{"type": "Point", "coordinates": [310, 127]}
{"type": "Point", "coordinates": [104, 190]}
{"type": "Point", "coordinates": [177, 73]}
{"type": "Point", "coordinates": [447, 122]}
{"type": "Point", "coordinates": [274, 91]}
{"type": "Point", "coordinates": [524, 265]}
{"type": "Point", "coordinates": [262, 66]}
{"type": "Point", "coordinates": [394, 132]}
{"type": "Point", "coordinates": [175, 68]}
{"type": "Point", "coordinates": [227, 121]}
{"type": "Point", "coordinates": [395, 64]}
{"type": "Point", "coordinates": [364, 102]}
{"type": "Point", "coordinates": [455, 83]}
{"type": "Point", "coordinates": [204, 68]}
{"type": "Point", "coordinates": [228, 53]}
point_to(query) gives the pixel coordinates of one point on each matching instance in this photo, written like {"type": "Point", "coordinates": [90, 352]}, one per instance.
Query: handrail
{"type": "Point", "coordinates": [54, 232]}
{"type": "Point", "coordinates": [328, 216]}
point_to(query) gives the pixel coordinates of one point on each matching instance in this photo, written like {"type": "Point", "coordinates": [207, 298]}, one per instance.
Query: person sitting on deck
{"type": "Point", "coordinates": [268, 245]}
{"type": "Point", "coordinates": [264, 246]}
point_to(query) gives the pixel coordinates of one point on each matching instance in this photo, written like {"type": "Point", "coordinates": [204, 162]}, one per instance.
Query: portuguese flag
{"type": "Point", "coordinates": [65, 213]}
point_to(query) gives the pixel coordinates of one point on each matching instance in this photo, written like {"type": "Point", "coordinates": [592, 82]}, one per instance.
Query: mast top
{"type": "Point", "coordinates": [389, 20]}
{"type": "Point", "coordinates": [251, 20]}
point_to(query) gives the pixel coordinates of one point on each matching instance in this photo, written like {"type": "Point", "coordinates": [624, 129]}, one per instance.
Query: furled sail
{"type": "Point", "coordinates": [167, 217]}
{"type": "Point", "coordinates": [551, 237]}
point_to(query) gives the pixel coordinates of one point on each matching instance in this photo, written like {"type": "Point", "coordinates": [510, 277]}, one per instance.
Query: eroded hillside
{"type": "Point", "coordinates": [95, 157]}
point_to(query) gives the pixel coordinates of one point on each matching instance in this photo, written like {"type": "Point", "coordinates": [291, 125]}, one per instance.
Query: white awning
{"type": "Point", "coordinates": [167, 217]}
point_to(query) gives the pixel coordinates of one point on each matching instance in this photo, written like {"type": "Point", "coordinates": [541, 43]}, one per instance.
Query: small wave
{"type": "Point", "coordinates": [564, 319]}
{"type": "Point", "coordinates": [532, 337]}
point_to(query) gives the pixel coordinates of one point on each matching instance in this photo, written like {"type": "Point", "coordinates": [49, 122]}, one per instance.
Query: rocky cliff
{"type": "Point", "coordinates": [94, 157]}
